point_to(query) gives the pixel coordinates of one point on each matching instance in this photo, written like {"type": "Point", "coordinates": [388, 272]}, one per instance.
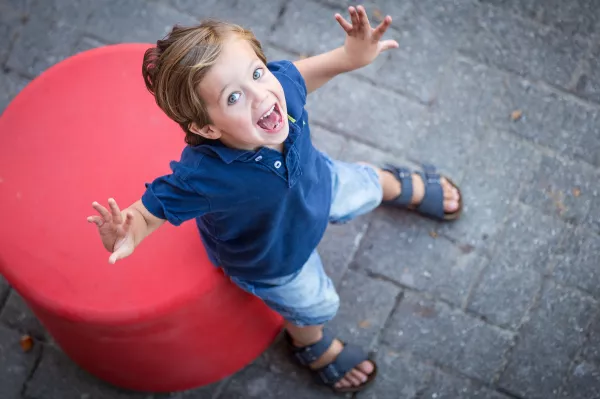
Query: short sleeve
{"type": "Point", "coordinates": [294, 86]}
{"type": "Point", "coordinates": [170, 197]}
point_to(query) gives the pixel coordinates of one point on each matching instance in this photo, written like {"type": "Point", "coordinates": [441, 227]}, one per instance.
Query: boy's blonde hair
{"type": "Point", "coordinates": [173, 69]}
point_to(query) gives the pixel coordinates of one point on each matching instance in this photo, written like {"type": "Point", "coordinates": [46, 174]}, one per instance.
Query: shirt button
{"type": "Point", "coordinates": [258, 158]}
{"type": "Point", "coordinates": [277, 164]}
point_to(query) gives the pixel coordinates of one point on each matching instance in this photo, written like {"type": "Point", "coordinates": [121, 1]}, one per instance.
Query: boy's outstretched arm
{"type": "Point", "coordinates": [122, 231]}
{"type": "Point", "coordinates": [362, 46]}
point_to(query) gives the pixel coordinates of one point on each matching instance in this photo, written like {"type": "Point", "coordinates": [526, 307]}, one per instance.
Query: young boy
{"type": "Point", "coordinates": [260, 193]}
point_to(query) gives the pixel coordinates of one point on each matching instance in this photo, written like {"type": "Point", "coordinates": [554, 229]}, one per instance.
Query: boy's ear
{"type": "Point", "coordinates": [206, 131]}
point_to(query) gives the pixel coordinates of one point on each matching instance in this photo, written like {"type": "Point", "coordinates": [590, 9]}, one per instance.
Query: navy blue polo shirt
{"type": "Point", "coordinates": [260, 213]}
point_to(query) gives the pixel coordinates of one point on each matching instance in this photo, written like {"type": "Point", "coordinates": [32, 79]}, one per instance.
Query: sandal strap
{"type": "Point", "coordinates": [404, 176]}
{"type": "Point", "coordinates": [309, 354]}
{"type": "Point", "coordinates": [350, 357]}
{"type": "Point", "coordinates": [433, 200]}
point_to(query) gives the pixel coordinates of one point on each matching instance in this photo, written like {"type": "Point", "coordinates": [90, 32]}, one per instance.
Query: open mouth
{"type": "Point", "coordinates": [272, 120]}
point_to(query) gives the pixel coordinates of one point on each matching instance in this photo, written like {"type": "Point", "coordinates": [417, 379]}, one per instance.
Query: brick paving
{"type": "Point", "coordinates": [502, 304]}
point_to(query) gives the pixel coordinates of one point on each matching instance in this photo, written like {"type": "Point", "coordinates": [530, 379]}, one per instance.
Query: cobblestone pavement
{"type": "Point", "coordinates": [502, 94]}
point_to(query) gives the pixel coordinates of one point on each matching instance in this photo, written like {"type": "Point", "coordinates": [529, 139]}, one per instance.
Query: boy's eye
{"type": "Point", "coordinates": [233, 97]}
{"type": "Point", "coordinates": [258, 72]}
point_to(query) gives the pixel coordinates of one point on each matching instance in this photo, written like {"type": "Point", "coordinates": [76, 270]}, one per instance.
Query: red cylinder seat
{"type": "Point", "coordinates": [161, 320]}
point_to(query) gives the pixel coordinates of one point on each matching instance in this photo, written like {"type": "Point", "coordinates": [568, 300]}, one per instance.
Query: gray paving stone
{"type": "Point", "coordinates": [314, 30]}
{"type": "Point", "coordinates": [17, 315]}
{"type": "Point", "coordinates": [454, 20]}
{"type": "Point", "coordinates": [16, 365]}
{"type": "Point", "coordinates": [505, 292]}
{"type": "Point", "coordinates": [577, 134]}
{"type": "Point", "coordinates": [530, 245]}
{"type": "Point", "coordinates": [446, 386]}
{"type": "Point", "coordinates": [524, 47]}
{"type": "Point", "coordinates": [579, 264]}
{"type": "Point", "coordinates": [209, 392]}
{"type": "Point", "coordinates": [330, 143]}
{"type": "Point", "coordinates": [549, 119]}
{"type": "Point", "coordinates": [365, 305]}
{"type": "Point", "coordinates": [354, 151]}
{"type": "Point", "coordinates": [473, 97]}
{"type": "Point", "coordinates": [275, 54]}
{"type": "Point", "coordinates": [570, 17]}
{"type": "Point", "coordinates": [354, 107]}
{"type": "Point", "coordinates": [532, 240]}
{"type": "Point", "coordinates": [589, 82]}
{"type": "Point", "coordinates": [339, 246]}
{"type": "Point", "coordinates": [254, 15]}
{"type": "Point", "coordinates": [582, 123]}
{"type": "Point", "coordinates": [443, 143]}
{"type": "Point", "coordinates": [591, 348]}
{"type": "Point", "coordinates": [583, 382]}
{"type": "Point", "coordinates": [4, 290]}
{"type": "Point", "coordinates": [12, 17]}
{"type": "Point", "coordinates": [434, 331]}
{"type": "Point", "coordinates": [496, 171]}
{"type": "Point", "coordinates": [562, 188]}
{"type": "Point", "coordinates": [22, 7]}
{"type": "Point", "coordinates": [376, 9]}
{"type": "Point", "coordinates": [49, 36]}
{"type": "Point", "coordinates": [409, 255]}
{"type": "Point", "coordinates": [416, 66]}
{"type": "Point", "coordinates": [87, 43]}
{"type": "Point", "coordinates": [256, 382]}
{"type": "Point", "coordinates": [541, 357]}
{"type": "Point", "coordinates": [119, 21]}
{"type": "Point", "coordinates": [277, 359]}
{"type": "Point", "coordinates": [456, 120]}
{"type": "Point", "coordinates": [398, 376]}
{"type": "Point", "coordinates": [593, 218]}
{"type": "Point", "coordinates": [587, 139]}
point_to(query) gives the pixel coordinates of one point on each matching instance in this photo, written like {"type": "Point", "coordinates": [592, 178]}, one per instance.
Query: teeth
{"type": "Point", "coordinates": [268, 112]}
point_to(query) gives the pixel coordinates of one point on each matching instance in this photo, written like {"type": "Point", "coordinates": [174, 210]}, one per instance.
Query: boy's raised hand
{"type": "Point", "coordinates": [115, 232]}
{"type": "Point", "coordinates": [363, 43]}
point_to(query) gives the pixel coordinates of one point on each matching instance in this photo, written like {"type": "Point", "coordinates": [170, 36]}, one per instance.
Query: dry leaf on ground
{"type": "Point", "coordinates": [26, 343]}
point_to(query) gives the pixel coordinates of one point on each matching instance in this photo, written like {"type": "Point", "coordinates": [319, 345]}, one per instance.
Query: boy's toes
{"type": "Point", "coordinates": [356, 376]}
{"type": "Point", "coordinates": [451, 196]}
{"type": "Point", "coordinates": [343, 383]}
{"type": "Point", "coordinates": [366, 368]}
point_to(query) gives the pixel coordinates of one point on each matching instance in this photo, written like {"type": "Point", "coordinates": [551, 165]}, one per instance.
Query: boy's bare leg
{"type": "Point", "coordinates": [392, 189]}
{"type": "Point", "coordinates": [304, 336]}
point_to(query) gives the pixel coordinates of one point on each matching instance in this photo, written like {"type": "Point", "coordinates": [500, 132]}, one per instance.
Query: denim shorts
{"type": "Point", "coordinates": [308, 297]}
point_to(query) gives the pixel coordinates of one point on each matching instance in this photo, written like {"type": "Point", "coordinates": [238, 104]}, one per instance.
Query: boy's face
{"type": "Point", "coordinates": [244, 100]}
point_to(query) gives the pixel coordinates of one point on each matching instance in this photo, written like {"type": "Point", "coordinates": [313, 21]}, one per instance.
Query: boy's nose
{"type": "Point", "coordinates": [259, 100]}
{"type": "Point", "coordinates": [258, 96]}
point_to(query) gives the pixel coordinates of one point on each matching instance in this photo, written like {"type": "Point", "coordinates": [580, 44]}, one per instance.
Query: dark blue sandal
{"type": "Point", "coordinates": [432, 204]}
{"type": "Point", "coordinates": [350, 357]}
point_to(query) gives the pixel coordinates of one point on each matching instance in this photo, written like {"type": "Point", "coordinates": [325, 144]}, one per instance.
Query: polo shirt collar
{"type": "Point", "coordinates": [226, 154]}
